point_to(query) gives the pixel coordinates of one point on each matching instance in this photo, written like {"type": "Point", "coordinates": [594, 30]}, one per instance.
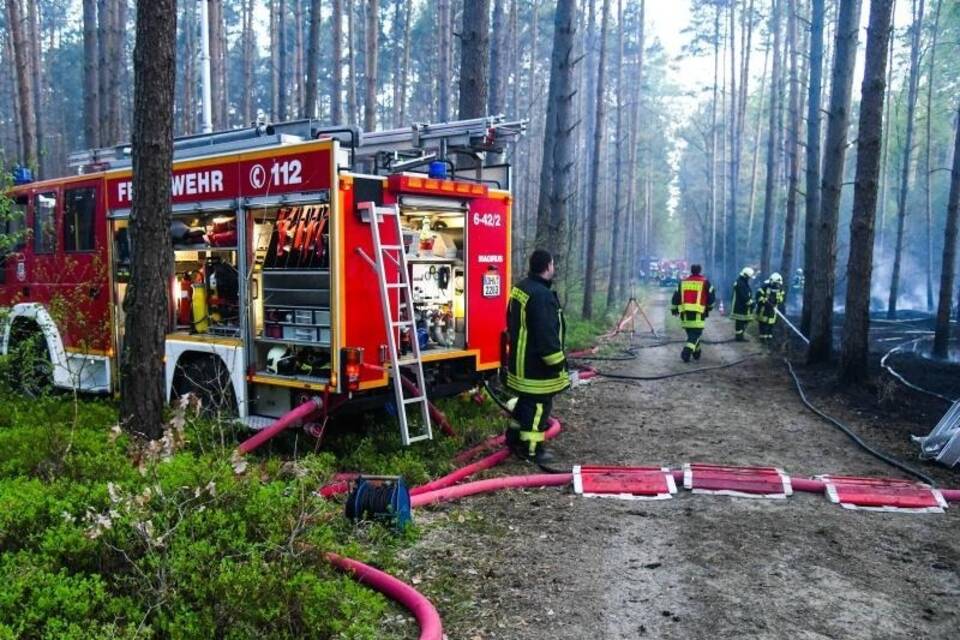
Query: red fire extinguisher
{"type": "Point", "coordinates": [184, 304]}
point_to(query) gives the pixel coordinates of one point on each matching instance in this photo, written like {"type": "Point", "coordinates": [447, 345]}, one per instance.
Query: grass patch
{"type": "Point", "coordinates": [102, 537]}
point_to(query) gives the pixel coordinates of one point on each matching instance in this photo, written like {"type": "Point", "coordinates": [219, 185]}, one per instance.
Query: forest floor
{"type": "Point", "coordinates": [548, 564]}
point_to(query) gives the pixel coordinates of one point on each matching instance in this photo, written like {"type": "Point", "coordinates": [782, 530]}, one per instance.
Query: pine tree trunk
{"type": "Point", "coordinates": [117, 64]}
{"type": "Point", "coordinates": [814, 94]}
{"type": "Point", "coordinates": [912, 88]}
{"type": "Point", "coordinates": [793, 146]}
{"type": "Point", "coordinates": [773, 145]}
{"type": "Point", "coordinates": [730, 232]}
{"type": "Point", "coordinates": [248, 54]}
{"type": "Point", "coordinates": [559, 133]}
{"type": "Point", "coordinates": [498, 57]}
{"type": "Point", "coordinates": [299, 72]}
{"type": "Point", "coordinates": [104, 33]}
{"type": "Point", "coordinates": [13, 78]}
{"type": "Point", "coordinates": [593, 210]}
{"type": "Point", "coordinates": [928, 170]}
{"type": "Point", "coordinates": [529, 230]}
{"type": "Point", "coordinates": [188, 64]}
{"type": "Point", "coordinates": [405, 67]}
{"type": "Point", "coordinates": [372, 35]}
{"type": "Point", "coordinates": [443, 60]}
{"type": "Point", "coordinates": [941, 338]}
{"type": "Point", "coordinates": [617, 236]}
{"type": "Point", "coordinates": [884, 172]}
{"type": "Point", "coordinates": [91, 111]}
{"type": "Point", "coordinates": [274, 62]}
{"type": "Point", "coordinates": [147, 306]}
{"type": "Point", "coordinates": [627, 273]}
{"type": "Point", "coordinates": [856, 327]}
{"type": "Point", "coordinates": [21, 53]}
{"type": "Point", "coordinates": [755, 164]}
{"type": "Point", "coordinates": [474, 56]}
{"type": "Point", "coordinates": [712, 205]}
{"type": "Point", "coordinates": [824, 281]}
{"type": "Point", "coordinates": [313, 61]}
{"type": "Point", "coordinates": [282, 87]}
{"type": "Point", "coordinates": [336, 65]}
{"type": "Point", "coordinates": [515, 73]}
{"type": "Point", "coordinates": [36, 70]}
{"type": "Point", "coordinates": [352, 103]}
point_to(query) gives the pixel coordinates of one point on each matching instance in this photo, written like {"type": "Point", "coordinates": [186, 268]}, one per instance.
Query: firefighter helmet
{"type": "Point", "coordinates": [776, 278]}
{"type": "Point", "coordinates": [747, 272]}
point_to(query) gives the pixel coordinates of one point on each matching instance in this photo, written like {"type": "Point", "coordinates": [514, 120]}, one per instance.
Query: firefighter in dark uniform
{"type": "Point", "coordinates": [536, 367]}
{"type": "Point", "coordinates": [741, 309]}
{"type": "Point", "coordinates": [769, 296]}
{"type": "Point", "coordinates": [692, 302]}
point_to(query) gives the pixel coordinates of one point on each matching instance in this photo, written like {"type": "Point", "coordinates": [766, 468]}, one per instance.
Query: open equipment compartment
{"type": "Point", "coordinates": [292, 319]}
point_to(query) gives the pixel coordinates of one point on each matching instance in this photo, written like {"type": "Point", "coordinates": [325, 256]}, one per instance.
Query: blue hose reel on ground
{"type": "Point", "coordinates": [385, 499]}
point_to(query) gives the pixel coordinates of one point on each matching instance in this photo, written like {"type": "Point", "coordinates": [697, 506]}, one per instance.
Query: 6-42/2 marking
{"type": "Point", "coordinates": [487, 219]}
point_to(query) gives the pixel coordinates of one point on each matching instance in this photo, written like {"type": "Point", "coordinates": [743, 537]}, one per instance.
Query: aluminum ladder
{"type": "Point", "coordinates": [373, 215]}
{"type": "Point", "coordinates": [943, 443]}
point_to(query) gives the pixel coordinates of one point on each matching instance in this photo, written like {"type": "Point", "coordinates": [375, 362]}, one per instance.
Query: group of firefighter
{"type": "Point", "coordinates": [536, 364]}
{"type": "Point", "coordinates": [695, 297]}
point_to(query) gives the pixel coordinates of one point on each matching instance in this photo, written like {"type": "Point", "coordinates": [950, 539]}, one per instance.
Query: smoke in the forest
{"type": "Point", "coordinates": [913, 284]}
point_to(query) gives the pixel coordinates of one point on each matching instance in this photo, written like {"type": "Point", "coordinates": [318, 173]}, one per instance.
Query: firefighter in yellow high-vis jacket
{"type": "Point", "coordinates": [537, 366]}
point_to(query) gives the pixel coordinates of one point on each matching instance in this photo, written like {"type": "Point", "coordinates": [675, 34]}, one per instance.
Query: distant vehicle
{"type": "Point", "coordinates": [650, 270]}
{"type": "Point", "coordinates": [672, 272]}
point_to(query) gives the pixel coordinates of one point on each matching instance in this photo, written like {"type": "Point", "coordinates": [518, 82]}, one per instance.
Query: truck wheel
{"type": "Point", "coordinates": [208, 379]}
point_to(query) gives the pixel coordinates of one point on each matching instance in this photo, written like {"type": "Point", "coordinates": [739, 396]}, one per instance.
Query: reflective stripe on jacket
{"type": "Point", "coordinates": [536, 365]}
{"type": "Point", "coordinates": [693, 300]}
{"type": "Point", "coordinates": [742, 306]}
{"type": "Point", "coordinates": [769, 297]}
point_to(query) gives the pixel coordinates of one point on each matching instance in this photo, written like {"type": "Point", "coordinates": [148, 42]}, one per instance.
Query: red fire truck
{"type": "Point", "coordinates": [277, 296]}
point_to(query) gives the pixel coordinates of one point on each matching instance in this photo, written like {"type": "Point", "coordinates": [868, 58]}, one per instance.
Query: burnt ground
{"type": "Point", "coordinates": [548, 564]}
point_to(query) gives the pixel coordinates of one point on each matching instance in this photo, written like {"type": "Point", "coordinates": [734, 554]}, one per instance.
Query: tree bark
{"type": "Point", "coordinates": [941, 338]}
{"type": "Point", "coordinates": [617, 235]}
{"type": "Point", "coordinates": [36, 70]}
{"type": "Point", "coordinates": [405, 65]}
{"type": "Point", "coordinates": [912, 88]}
{"type": "Point", "coordinates": [814, 94]}
{"type": "Point", "coordinates": [474, 55]}
{"type": "Point", "coordinates": [824, 282]}
{"type": "Point", "coordinates": [559, 133]}
{"type": "Point", "coordinates": [856, 327]}
{"type": "Point", "coordinates": [104, 35]}
{"type": "Point", "coordinates": [274, 62]}
{"type": "Point", "coordinates": [336, 65]}
{"type": "Point", "coordinates": [443, 60]}
{"type": "Point", "coordinates": [118, 64]}
{"type": "Point", "coordinates": [91, 111]}
{"type": "Point", "coordinates": [189, 108]}
{"type": "Point", "coordinates": [754, 167]}
{"type": "Point", "coordinates": [282, 88]}
{"type": "Point", "coordinates": [15, 22]}
{"type": "Point", "coordinates": [773, 145]}
{"type": "Point", "coordinates": [352, 103]}
{"type": "Point", "coordinates": [793, 146]}
{"type": "Point", "coordinates": [928, 170]}
{"type": "Point", "coordinates": [594, 206]}
{"type": "Point", "coordinates": [498, 57]}
{"type": "Point", "coordinates": [299, 72]}
{"type": "Point", "coordinates": [248, 55]}
{"type": "Point", "coordinates": [372, 36]}
{"type": "Point", "coordinates": [712, 257]}
{"type": "Point", "coordinates": [147, 306]}
{"type": "Point", "coordinates": [730, 254]}
{"type": "Point", "coordinates": [884, 172]}
{"type": "Point", "coordinates": [627, 273]}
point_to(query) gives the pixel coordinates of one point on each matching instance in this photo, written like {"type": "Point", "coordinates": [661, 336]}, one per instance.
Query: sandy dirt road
{"type": "Point", "coordinates": [548, 564]}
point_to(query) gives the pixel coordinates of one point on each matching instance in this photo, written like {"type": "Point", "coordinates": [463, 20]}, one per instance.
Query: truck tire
{"type": "Point", "coordinates": [207, 378]}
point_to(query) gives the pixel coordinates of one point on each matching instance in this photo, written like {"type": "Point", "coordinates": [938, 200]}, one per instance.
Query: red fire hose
{"type": "Point", "coordinates": [493, 484]}
{"type": "Point", "coordinates": [427, 617]}
{"type": "Point", "coordinates": [298, 415]}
